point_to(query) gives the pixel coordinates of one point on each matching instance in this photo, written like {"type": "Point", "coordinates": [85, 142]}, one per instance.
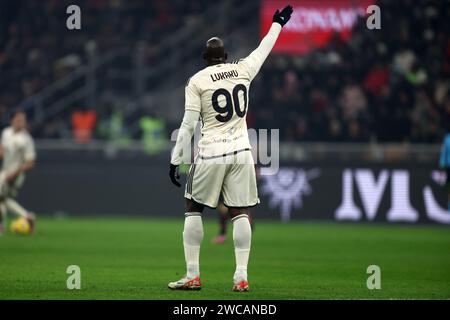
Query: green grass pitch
{"type": "Point", "coordinates": [135, 258]}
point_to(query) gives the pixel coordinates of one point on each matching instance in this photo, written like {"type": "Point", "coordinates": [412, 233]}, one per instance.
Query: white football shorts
{"type": "Point", "coordinates": [232, 176]}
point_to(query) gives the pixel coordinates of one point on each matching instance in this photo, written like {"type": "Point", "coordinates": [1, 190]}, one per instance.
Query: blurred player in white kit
{"type": "Point", "coordinates": [19, 155]}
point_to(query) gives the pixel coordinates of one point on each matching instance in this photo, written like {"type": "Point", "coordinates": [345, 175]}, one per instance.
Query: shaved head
{"type": "Point", "coordinates": [214, 52]}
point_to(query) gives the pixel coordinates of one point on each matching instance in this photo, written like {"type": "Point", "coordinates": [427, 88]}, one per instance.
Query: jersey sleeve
{"type": "Point", "coordinates": [254, 61]}
{"type": "Point", "coordinates": [182, 149]}
{"type": "Point", "coordinates": [29, 150]}
{"type": "Point", "coordinates": [192, 97]}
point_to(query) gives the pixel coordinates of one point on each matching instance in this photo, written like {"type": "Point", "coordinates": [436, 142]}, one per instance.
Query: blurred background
{"type": "Point", "coordinates": [362, 113]}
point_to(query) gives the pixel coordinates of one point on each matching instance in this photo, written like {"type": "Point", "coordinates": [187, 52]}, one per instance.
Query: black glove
{"type": "Point", "coordinates": [283, 17]}
{"type": "Point", "coordinates": [174, 175]}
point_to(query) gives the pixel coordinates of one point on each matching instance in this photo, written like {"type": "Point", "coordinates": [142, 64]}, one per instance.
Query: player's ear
{"type": "Point", "coordinates": [205, 56]}
{"type": "Point", "coordinates": [226, 56]}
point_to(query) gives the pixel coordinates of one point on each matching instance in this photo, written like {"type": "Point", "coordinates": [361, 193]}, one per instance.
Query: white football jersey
{"type": "Point", "coordinates": [220, 93]}
{"type": "Point", "coordinates": [18, 147]}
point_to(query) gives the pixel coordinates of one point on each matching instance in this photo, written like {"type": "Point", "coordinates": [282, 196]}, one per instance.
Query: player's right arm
{"type": "Point", "coordinates": [255, 60]}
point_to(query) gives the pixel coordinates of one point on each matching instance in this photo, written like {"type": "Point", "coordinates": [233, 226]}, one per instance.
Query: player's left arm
{"type": "Point", "coordinates": [187, 127]}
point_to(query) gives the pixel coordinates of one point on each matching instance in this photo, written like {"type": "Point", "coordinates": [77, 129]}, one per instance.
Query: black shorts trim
{"type": "Point", "coordinates": [249, 206]}
{"type": "Point", "coordinates": [193, 199]}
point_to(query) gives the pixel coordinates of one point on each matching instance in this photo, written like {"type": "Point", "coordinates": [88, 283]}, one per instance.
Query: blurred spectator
{"type": "Point", "coordinates": [83, 124]}
{"type": "Point", "coordinates": [377, 80]}
{"type": "Point", "coordinates": [387, 85]}
{"type": "Point", "coordinates": [153, 134]}
{"type": "Point", "coordinates": [444, 163]}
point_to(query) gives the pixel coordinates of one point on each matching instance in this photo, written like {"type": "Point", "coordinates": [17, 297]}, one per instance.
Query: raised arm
{"type": "Point", "coordinates": [255, 60]}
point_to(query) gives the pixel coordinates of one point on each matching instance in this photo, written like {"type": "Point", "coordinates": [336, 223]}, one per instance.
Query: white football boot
{"type": "Point", "coordinates": [186, 284]}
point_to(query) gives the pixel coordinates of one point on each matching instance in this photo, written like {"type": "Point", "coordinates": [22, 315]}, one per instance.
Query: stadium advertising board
{"type": "Point", "coordinates": [314, 23]}
{"type": "Point", "coordinates": [357, 192]}
{"type": "Point", "coordinates": [382, 194]}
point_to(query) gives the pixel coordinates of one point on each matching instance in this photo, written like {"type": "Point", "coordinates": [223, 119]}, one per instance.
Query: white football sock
{"type": "Point", "coordinates": [242, 236]}
{"type": "Point", "coordinates": [13, 206]}
{"type": "Point", "coordinates": [192, 238]}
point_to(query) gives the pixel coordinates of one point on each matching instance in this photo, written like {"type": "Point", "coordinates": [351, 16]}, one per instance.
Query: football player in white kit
{"type": "Point", "coordinates": [18, 153]}
{"type": "Point", "coordinates": [218, 95]}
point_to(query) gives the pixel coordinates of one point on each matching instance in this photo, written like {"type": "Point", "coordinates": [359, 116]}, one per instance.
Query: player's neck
{"type": "Point", "coordinates": [215, 63]}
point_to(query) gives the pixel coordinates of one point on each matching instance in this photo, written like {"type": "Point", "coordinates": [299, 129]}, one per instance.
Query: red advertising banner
{"type": "Point", "coordinates": [313, 22]}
